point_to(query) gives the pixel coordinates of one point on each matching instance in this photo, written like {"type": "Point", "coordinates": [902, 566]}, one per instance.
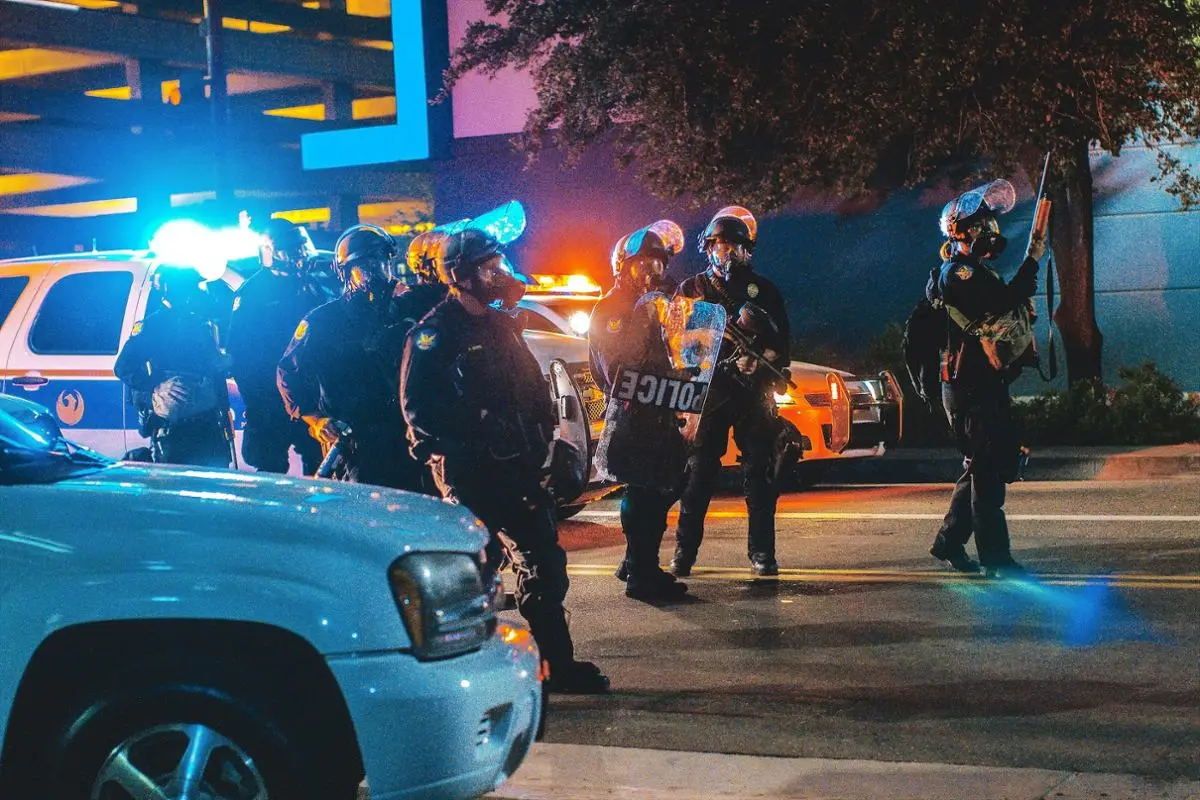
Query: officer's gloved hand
{"type": "Point", "coordinates": [1037, 246]}
{"type": "Point", "coordinates": [323, 429]}
{"type": "Point", "coordinates": [747, 365]}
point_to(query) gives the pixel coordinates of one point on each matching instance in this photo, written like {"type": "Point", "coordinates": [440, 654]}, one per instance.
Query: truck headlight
{"type": "Point", "coordinates": [443, 603]}
{"type": "Point", "coordinates": [784, 399]}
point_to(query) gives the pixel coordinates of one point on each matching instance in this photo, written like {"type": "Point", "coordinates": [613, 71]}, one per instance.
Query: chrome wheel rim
{"type": "Point", "coordinates": [179, 762]}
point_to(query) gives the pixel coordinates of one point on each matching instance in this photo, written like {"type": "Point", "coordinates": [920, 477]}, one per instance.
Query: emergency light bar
{"type": "Point", "coordinates": [187, 243]}
{"type": "Point", "coordinates": [563, 284]}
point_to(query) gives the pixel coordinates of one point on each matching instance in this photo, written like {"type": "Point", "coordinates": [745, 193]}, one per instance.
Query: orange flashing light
{"type": "Point", "coordinates": [564, 284]}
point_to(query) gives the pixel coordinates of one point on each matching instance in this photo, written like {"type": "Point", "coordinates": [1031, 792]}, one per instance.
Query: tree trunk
{"type": "Point", "coordinates": [1071, 239]}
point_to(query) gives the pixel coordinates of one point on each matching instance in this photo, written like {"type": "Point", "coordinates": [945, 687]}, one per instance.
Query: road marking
{"type": "Point", "coordinates": [830, 516]}
{"type": "Point", "coordinates": [742, 574]}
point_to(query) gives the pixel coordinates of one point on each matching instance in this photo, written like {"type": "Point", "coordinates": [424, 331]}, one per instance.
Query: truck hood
{"type": "Point", "coordinates": [134, 506]}
{"type": "Point", "coordinates": [548, 346]}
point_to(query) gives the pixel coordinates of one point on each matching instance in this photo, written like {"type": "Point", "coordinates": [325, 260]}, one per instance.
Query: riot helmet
{"type": "Point", "coordinates": [285, 247]}
{"type": "Point", "coordinates": [969, 221]}
{"type": "Point", "coordinates": [473, 260]}
{"type": "Point", "coordinates": [178, 287]}
{"type": "Point", "coordinates": [364, 260]}
{"type": "Point", "coordinates": [640, 258]}
{"type": "Point", "coordinates": [422, 256]}
{"type": "Point", "coordinates": [727, 242]}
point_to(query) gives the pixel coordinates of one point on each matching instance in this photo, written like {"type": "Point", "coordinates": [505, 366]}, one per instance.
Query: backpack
{"type": "Point", "coordinates": [924, 339]}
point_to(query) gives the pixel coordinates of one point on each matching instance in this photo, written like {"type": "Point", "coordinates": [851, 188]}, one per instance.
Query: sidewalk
{"type": "Point", "coordinates": [578, 772]}
{"type": "Point", "coordinates": [943, 465]}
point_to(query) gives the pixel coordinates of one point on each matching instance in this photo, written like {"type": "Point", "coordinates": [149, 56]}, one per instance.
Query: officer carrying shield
{"type": "Point", "coordinates": [974, 380]}
{"type": "Point", "coordinates": [479, 410]}
{"type": "Point", "coordinates": [176, 371]}
{"type": "Point", "coordinates": [741, 396]}
{"type": "Point", "coordinates": [266, 310]}
{"type": "Point", "coordinates": [648, 452]}
{"type": "Point", "coordinates": [338, 374]}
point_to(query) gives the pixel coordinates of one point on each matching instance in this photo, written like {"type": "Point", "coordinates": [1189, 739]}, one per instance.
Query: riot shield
{"type": "Point", "coordinates": [568, 470]}
{"type": "Point", "coordinates": [656, 402]}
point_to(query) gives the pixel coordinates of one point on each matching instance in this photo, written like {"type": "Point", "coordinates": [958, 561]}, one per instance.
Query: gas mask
{"type": "Point", "coordinates": [726, 259]}
{"type": "Point", "coordinates": [986, 240]}
{"type": "Point", "coordinates": [645, 273]}
{"type": "Point", "coordinates": [495, 284]}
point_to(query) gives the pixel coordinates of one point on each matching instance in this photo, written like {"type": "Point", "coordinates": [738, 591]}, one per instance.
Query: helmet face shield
{"type": "Point", "coordinates": [744, 215]}
{"type": "Point", "coordinates": [642, 256]}
{"type": "Point", "coordinates": [997, 197]}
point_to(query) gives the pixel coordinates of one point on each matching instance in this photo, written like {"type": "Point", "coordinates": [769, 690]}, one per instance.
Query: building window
{"type": "Point", "coordinates": [82, 315]}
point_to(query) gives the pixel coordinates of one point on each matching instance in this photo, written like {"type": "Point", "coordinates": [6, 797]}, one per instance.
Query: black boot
{"type": "Point", "coordinates": [956, 558]}
{"type": "Point", "coordinates": [576, 677]}
{"type": "Point", "coordinates": [655, 587]}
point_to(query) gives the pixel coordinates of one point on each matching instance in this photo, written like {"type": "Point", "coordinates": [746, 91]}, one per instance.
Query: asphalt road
{"type": "Point", "coordinates": [865, 648]}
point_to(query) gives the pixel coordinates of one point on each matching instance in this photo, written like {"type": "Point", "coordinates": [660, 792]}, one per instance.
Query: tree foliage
{"type": "Point", "coordinates": [756, 99]}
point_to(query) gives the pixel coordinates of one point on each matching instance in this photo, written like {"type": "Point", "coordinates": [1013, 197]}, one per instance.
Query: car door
{"type": "Point", "coordinates": [62, 353]}
{"type": "Point", "coordinates": [19, 283]}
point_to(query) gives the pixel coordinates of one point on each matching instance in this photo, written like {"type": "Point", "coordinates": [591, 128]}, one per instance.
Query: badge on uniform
{"type": "Point", "coordinates": [137, 328]}
{"type": "Point", "coordinates": [237, 301]}
{"type": "Point", "coordinates": [964, 272]}
{"type": "Point", "coordinates": [301, 330]}
{"type": "Point", "coordinates": [752, 291]}
{"type": "Point", "coordinates": [614, 324]}
{"type": "Point", "coordinates": [426, 339]}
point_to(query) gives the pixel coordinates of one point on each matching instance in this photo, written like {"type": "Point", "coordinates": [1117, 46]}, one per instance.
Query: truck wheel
{"type": "Point", "coordinates": [182, 738]}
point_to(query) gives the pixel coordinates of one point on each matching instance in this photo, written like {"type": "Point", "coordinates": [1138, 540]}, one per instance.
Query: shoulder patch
{"type": "Point", "coordinates": [301, 330]}
{"type": "Point", "coordinates": [425, 339]}
{"type": "Point", "coordinates": [137, 328]}
{"type": "Point", "coordinates": [614, 324]}
{"type": "Point", "coordinates": [752, 291]}
{"type": "Point", "coordinates": [964, 272]}
{"type": "Point", "coordinates": [237, 301]}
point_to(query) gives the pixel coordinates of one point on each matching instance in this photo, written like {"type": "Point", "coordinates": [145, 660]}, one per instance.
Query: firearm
{"type": "Point", "coordinates": [1040, 228]}
{"type": "Point", "coordinates": [1041, 214]}
{"type": "Point", "coordinates": [749, 316]}
{"type": "Point", "coordinates": [227, 425]}
{"type": "Point", "coordinates": [334, 454]}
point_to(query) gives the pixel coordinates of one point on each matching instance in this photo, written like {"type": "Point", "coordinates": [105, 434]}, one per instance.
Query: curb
{"type": "Point", "coordinates": [582, 772]}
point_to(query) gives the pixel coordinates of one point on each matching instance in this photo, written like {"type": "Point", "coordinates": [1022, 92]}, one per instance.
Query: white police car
{"type": "Point", "coordinates": [64, 318]}
{"type": "Point", "coordinates": [176, 632]}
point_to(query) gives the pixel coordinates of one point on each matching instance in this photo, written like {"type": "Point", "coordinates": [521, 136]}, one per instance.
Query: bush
{"type": "Point", "coordinates": [1147, 409]}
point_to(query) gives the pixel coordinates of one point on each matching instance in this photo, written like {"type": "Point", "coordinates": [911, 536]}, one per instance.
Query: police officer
{"type": "Point", "coordinates": [424, 289]}
{"type": "Point", "coordinates": [479, 411]}
{"type": "Point", "coordinates": [741, 396]}
{"type": "Point", "coordinates": [266, 310]}
{"type": "Point", "coordinates": [338, 374]}
{"type": "Point", "coordinates": [646, 450]}
{"type": "Point", "coordinates": [176, 372]}
{"type": "Point", "coordinates": [974, 391]}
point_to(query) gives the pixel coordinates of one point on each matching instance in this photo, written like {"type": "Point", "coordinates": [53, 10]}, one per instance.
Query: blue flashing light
{"type": "Point", "coordinates": [405, 140]}
{"type": "Point", "coordinates": [187, 243]}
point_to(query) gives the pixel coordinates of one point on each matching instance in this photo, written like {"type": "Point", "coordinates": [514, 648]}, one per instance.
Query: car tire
{"type": "Point", "coordinates": [124, 735]}
{"type": "Point", "coordinates": [568, 511]}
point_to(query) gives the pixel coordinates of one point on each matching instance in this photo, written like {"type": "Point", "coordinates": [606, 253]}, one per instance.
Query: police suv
{"type": "Point", "coordinates": [64, 318]}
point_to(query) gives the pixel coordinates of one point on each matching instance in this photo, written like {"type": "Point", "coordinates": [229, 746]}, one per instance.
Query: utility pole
{"type": "Point", "coordinates": [218, 98]}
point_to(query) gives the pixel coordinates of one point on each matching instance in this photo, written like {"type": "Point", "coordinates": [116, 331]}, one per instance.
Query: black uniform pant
{"type": "Point", "coordinates": [199, 441]}
{"type": "Point", "coordinates": [981, 417]}
{"type": "Point", "coordinates": [379, 455]}
{"type": "Point", "coordinates": [520, 517]}
{"type": "Point", "coordinates": [644, 521]}
{"type": "Point", "coordinates": [755, 424]}
{"type": "Point", "coordinates": [268, 435]}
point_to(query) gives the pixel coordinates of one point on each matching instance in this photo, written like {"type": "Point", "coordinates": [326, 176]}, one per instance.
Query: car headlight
{"type": "Point", "coordinates": [784, 399]}
{"type": "Point", "coordinates": [580, 322]}
{"type": "Point", "coordinates": [442, 600]}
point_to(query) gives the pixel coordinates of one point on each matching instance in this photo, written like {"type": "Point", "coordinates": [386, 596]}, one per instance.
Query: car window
{"type": "Point", "coordinates": [10, 289]}
{"type": "Point", "coordinates": [82, 315]}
